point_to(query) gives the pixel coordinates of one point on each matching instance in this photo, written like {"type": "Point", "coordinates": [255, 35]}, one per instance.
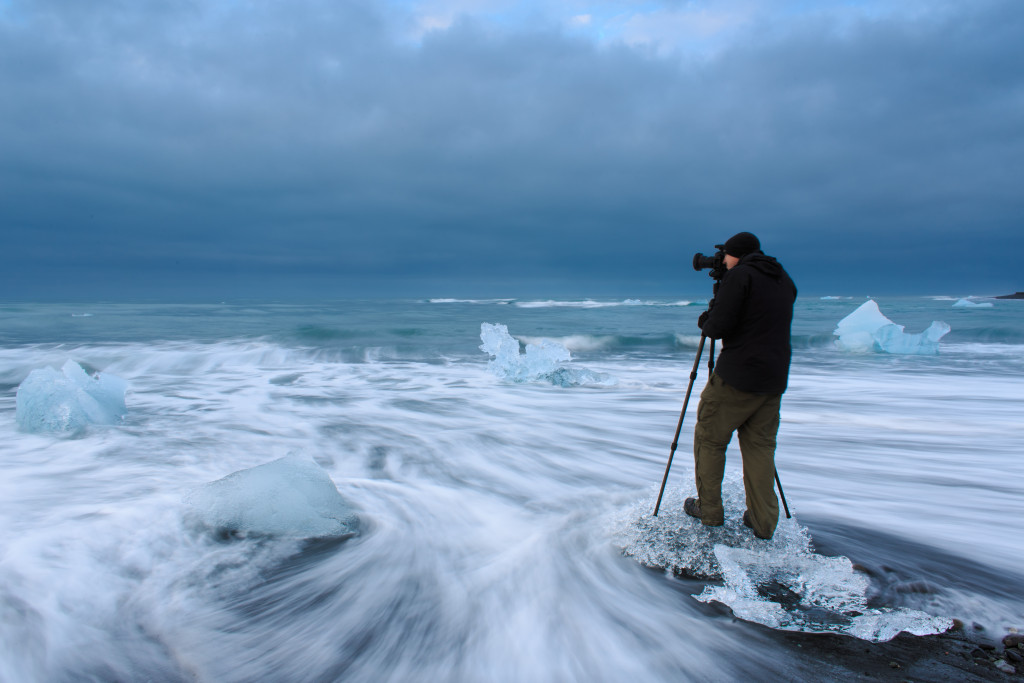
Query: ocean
{"type": "Point", "coordinates": [505, 527]}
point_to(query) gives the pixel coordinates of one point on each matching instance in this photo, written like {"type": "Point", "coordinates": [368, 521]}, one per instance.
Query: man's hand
{"type": "Point", "coordinates": [702, 319]}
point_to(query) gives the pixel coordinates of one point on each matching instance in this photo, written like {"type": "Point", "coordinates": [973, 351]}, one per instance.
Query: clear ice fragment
{"type": "Point", "coordinates": [544, 360]}
{"type": "Point", "coordinates": [292, 497]}
{"type": "Point", "coordinates": [67, 401]}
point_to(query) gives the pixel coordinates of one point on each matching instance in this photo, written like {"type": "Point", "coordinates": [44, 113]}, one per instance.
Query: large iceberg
{"type": "Point", "coordinates": [866, 329]}
{"type": "Point", "coordinates": [543, 360]}
{"type": "Point", "coordinates": [292, 496]}
{"type": "Point", "coordinates": [66, 401]}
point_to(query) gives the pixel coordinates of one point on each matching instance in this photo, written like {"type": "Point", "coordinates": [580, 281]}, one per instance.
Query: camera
{"type": "Point", "coordinates": [716, 263]}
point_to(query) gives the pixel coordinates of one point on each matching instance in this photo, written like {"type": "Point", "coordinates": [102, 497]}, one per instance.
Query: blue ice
{"type": "Point", "coordinates": [866, 329]}
{"type": "Point", "coordinates": [544, 360]}
{"type": "Point", "coordinates": [292, 496]}
{"type": "Point", "coordinates": [66, 401]}
{"type": "Point", "coordinates": [967, 303]}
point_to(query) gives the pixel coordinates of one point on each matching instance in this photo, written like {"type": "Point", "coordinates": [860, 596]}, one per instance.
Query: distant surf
{"type": "Point", "coordinates": [591, 303]}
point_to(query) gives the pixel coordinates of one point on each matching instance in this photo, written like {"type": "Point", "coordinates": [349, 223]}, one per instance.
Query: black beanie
{"type": "Point", "coordinates": [741, 244]}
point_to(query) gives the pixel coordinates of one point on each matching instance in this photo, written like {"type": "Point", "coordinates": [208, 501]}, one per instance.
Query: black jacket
{"type": "Point", "coordinates": [752, 315]}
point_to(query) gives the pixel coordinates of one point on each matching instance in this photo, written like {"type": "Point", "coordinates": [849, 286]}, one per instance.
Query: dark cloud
{"type": "Point", "coordinates": [303, 148]}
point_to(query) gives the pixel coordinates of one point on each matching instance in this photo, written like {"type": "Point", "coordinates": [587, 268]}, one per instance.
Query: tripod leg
{"type": "Point", "coordinates": [679, 425]}
{"type": "Point", "coordinates": [782, 495]}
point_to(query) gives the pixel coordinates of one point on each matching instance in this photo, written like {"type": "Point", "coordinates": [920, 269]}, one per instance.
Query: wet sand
{"type": "Point", "coordinates": [944, 657]}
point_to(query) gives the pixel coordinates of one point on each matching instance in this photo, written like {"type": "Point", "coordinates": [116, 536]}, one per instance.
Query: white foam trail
{"type": "Point", "coordinates": [470, 301]}
{"type": "Point", "coordinates": [590, 303]}
{"type": "Point", "coordinates": [487, 507]}
{"type": "Point", "coordinates": [687, 340]}
{"type": "Point", "coordinates": [574, 342]}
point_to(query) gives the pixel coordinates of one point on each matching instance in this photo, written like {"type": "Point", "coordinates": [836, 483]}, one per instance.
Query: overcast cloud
{"type": "Point", "coordinates": [313, 148]}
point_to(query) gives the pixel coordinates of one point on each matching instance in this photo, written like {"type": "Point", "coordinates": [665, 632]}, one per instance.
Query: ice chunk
{"type": "Point", "coordinates": [678, 543]}
{"type": "Point", "coordinates": [809, 592]}
{"type": "Point", "coordinates": [65, 402]}
{"type": "Point", "coordinates": [574, 377]}
{"type": "Point", "coordinates": [967, 303]}
{"type": "Point", "coordinates": [882, 625]}
{"type": "Point", "coordinates": [542, 360]}
{"type": "Point", "coordinates": [292, 496]}
{"type": "Point", "coordinates": [781, 583]}
{"type": "Point", "coordinates": [892, 339]}
{"type": "Point", "coordinates": [866, 329]}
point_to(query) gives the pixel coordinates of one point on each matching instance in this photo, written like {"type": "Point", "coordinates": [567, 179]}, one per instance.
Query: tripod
{"type": "Point", "coordinates": [686, 401]}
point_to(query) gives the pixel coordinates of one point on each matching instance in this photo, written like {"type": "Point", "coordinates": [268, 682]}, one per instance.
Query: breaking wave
{"type": "Point", "coordinates": [590, 303]}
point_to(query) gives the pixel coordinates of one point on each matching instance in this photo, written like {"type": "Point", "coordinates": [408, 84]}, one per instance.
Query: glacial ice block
{"type": "Point", "coordinates": [967, 303]}
{"type": "Point", "coordinates": [544, 360]}
{"type": "Point", "coordinates": [866, 329]}
{"type": "Point", "coordinates": [809, 592]}
{"type": "Point", "coordinates": [292, 496]}
{"type": "Point", "coordinates": [65, 402]}
{"type": "Point", "coordinates": [782, 583]}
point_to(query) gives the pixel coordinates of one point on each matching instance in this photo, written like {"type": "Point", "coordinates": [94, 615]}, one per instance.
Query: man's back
{"type": "Point", "coordinates": [753, 314]}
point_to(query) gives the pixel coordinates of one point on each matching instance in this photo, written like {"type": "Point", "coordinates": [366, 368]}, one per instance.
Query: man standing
{"type": "Point", "coordinates": [752, 315]}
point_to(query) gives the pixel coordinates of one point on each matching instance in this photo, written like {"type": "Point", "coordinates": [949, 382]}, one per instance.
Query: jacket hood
{"type": "Point", "coordinates": [765, 264]}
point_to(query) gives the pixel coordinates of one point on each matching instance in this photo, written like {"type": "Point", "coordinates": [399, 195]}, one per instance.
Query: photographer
{"type": "Point", "coordinates": [752, 314]}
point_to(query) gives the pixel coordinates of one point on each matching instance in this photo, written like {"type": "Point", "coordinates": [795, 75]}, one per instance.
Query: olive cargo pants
{"type": "Point", "coordinates": [722, 411]}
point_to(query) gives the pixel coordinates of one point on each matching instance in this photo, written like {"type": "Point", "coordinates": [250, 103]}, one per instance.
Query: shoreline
{"type": "Point", "coordinates": [958, 654]}
{"type": "Point", "coordinates": [963, 653]}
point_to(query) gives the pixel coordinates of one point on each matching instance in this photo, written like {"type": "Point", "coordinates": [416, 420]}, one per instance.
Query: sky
{"type": "Point", "coordinates": [214, 149]}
